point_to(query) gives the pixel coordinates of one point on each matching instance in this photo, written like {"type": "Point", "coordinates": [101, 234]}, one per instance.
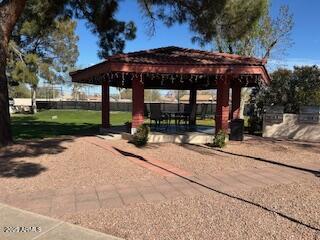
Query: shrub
{"type": "Point", "coordinates": [140, 137]}
{"type": "Point", "coordinates": [220, 139]}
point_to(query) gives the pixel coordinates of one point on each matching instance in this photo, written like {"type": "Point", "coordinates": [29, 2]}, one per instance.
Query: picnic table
{"type": "Point", "coordinates": [178, 118]}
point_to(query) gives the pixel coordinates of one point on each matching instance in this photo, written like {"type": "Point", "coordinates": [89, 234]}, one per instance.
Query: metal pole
{"type": "Point", "coordinates": [178, 100]}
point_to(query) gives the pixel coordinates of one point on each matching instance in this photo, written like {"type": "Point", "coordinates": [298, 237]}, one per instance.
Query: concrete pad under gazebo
{"type": "Point", "coordinates": [179, 69]}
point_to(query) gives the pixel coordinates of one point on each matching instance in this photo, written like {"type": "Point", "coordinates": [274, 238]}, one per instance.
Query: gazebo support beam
{"type": "Point", "coordinates": [193, 106]}
{"type": "Point", "coordinates": [222, 110]}
{"type": "Point", "coordinates": [137, 104]}
{"type": "Point", "coordinates": [236, 99]}
{"type": "Point", "coordinates": [105, 105]}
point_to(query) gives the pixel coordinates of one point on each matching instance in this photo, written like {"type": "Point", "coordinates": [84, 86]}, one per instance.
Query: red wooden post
{"type": "Point", "coordinates": [137, 104]}
{"type": "Point", "coordinates": [236, 99]}
{"type": "Point", "coordinates": [105, 105]}
{"type": "Point", "coordinates": [222, 109]}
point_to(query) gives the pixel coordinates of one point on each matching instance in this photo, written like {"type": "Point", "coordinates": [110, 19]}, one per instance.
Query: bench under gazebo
{"type": "Point", "coordinates": [176, 68]}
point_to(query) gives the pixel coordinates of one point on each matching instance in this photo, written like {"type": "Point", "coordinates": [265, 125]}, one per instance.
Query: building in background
{"type": "Point", "coordinates": [201, 98]}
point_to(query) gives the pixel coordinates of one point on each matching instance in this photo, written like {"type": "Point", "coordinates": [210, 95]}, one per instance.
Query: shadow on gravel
{"type": "Point", "coordinates": [129, 154]}
{"type": "Point", "coordinates": [20, 169]}
{"type": "Point", "coordinates": [316, 173]}
{"type": "Point", "coordinates": [206, 151]}
{"type": "Point", "coordinates": [11, 164]}
{"type": "Point", "coordinates": [313, 147]}
{"type": "Point", "coordinates": [283, 215]}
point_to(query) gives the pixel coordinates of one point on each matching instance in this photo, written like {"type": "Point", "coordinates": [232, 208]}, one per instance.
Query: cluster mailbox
{"type": "Point", "coordinates": [309, 114]}
{"type": "Point", "coordinates": [273, 114]}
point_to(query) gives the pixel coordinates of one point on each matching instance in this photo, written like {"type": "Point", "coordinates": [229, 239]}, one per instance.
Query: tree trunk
{"type": "Point", "coordinates": [10, 11]}
{"type": "Point", "coordinates": [245, 96]}
{"type": "Point", "coordinates": [33, 99]}
{"type": "Point", "coordinates": [119, 94]}
{"type": "Point", "coordinates": [5, 128]}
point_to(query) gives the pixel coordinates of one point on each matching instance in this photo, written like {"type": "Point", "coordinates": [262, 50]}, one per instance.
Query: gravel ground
{"type": "Point", "coordinates": [204, 160]}
{"type": "Point", "coordinates": [299, 200]}
{"type": "Point", "coordinates": [62, 163]}
{"type": "Point", "coordinates": [277, 150]}
{"type": "Point", "coordinates": [198, 160]}
{"type": "Point", "coordinates": [215, 216]}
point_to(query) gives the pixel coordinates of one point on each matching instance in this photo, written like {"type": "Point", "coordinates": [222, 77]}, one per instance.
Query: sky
{"type": "Point", "coordinates": [305, 35]}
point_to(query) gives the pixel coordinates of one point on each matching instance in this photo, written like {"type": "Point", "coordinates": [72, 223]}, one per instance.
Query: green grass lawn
{"type": "Point", "coordinates": [52, 123]}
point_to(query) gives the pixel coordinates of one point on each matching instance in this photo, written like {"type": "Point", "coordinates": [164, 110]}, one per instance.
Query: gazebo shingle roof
{"type": "Point", "coordinates": [183, 56]}
{"type": "Point", "coordinates": [174, 68]}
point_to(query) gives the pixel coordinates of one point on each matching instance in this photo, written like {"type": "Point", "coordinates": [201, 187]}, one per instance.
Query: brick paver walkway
{"type": "Point", "coordinates": [61, 201]}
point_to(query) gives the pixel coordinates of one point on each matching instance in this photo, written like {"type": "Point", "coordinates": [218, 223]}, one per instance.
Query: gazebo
{"type": "Point", "coordinates": [180, 69]}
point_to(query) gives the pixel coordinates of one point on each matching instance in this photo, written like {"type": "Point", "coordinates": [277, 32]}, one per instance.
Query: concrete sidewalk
{"type": "Point", "coordinates": [16, 224]}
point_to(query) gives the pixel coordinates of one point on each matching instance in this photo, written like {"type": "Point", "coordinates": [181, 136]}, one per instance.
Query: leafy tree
{"type": "Point", "coordinates": [257, 34]}
{"type": "Point", "coordinates": [126, 94]}
{"type": "Point", "coordinates": [79, 96]}
{"type": "Point", "coordinates": [273, 35]}
{"type": "Point", "coordinates": [243, 26]}
{"type": "Point", "coordinates": [291, 89]}
{"type": "Point", "coordinates": [77, 90]}
{"type": "Point", "coordinates": [236, 20]}
{"type": "Point", "coordinates": [149, 95]}
{"type": "Point", "coordinates": [178, 93]}
{"type": "Point", "coordinates": [48, 92]}
{"type": "Point", "coordinates": [280, 91]}
{"type": "Point", "coordinates": [100, 16]}
{"type": "Point", "coordinates": [10, 11]}
{"type": "Point", "coordinates": [306, 84]}
{"type": "Point", "coordinates": [115, 96]}
{"type": "Point", "coordinates": [152, 95]}
{"type": "Point", "coordinates": [223, 22]}
{"type": "Point", "coordinates": [20, 91]}
{"type": "Point", "coordinates": [195, 13]}
{"type": "Point", "coordinates": [46, 54]}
